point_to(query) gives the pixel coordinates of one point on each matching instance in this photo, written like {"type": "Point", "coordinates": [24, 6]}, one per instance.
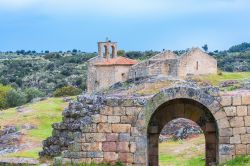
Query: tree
{"type": "Point", "coordinates": [4, 90]}
{"type": "Point", "coordinates": [121, 53]}
{"type": "Point", "coordinates": [67, 91]}
{"type": "Point", "coordinates": [205, 48]}
{"type": "Point", "coordinates": [32, 93]}
{"type": "Point", "coordinates": [15, 98]}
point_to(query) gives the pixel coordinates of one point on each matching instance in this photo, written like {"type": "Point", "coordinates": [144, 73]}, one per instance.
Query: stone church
{"type": "Point", "coordinates": [107, 68]}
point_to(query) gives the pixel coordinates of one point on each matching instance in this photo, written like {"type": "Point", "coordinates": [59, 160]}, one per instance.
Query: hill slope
{"type": "Point", "coordinates": [27, 126]}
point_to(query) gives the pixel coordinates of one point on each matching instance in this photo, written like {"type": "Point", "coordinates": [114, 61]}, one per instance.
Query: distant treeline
{"type": "Point", "coordinates": [58, 73]}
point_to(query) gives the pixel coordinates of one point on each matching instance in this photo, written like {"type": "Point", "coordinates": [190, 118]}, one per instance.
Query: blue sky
{"type": "Point", "coordinates": [135, 24]}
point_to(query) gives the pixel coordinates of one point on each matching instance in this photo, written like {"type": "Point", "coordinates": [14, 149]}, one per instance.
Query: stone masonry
{"type": "Point", "coordinates": [107, 128]}
{"type": "Point", "coordinates": [107, 68]}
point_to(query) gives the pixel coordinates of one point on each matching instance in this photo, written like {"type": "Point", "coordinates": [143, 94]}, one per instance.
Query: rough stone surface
{"type": "Point", "coordinates": [102, 128]}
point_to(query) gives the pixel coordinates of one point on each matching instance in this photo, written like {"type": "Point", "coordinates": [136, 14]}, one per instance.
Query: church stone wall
{"type": "Point", "coordinates": [196, 62]}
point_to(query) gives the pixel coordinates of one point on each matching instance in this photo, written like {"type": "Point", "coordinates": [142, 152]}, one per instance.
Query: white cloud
{"type": "Point", "coordinates": [126, 8]}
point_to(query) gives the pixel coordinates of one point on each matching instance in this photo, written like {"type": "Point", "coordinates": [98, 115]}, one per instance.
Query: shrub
{"type": "Point", "coordinates": [32, 93]}
{"type": "Point", "coordinates": [4, 90]}
{"type": "Point", "coordinates": [15, 98]}
{"type": "Point", "coordinates": [67, 91]}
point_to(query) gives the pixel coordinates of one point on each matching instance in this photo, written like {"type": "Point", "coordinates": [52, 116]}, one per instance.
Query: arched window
{"type": "Point", "coordinates": [197, 65]}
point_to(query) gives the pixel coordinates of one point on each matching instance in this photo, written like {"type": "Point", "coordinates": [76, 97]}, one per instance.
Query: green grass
{"type": "Point", "coordinates": [33, 153]}
{"type": "Point", "coordinates": [41, 114]}
{"type": "Point", "coordinates": [188, 152]}
{"type": "Point", "coordinates": [238, 161]}
{"type": "Point", "coordinates": [215, 79]}
{"type": "Point", "coordinates": [178, 161]}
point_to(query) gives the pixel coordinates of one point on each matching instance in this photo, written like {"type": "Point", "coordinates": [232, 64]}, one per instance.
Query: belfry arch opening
{"type": "Point", "coordinates": [188, 109]}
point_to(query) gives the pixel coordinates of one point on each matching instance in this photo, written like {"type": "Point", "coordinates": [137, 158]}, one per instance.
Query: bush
{"type": "Point", "coordinates": [4, 90]}
{"type": "Point", "coordinates": [16, 98]}
{"type": "Point", "coordinates": [67, 91]}
{"type": "Point", "coordinates": [32, 93]}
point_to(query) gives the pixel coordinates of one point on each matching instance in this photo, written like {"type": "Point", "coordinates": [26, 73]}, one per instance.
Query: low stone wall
{"type": "Point", "coordinates": [97, 129]}
{"type": "Point", "coordinates": [109, 129]}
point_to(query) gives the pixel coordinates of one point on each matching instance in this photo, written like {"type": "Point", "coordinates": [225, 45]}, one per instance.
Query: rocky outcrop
{"type": "Point", "coordinates": [179, 129]}
{"type": "Point", "coordinates": [9, 137]}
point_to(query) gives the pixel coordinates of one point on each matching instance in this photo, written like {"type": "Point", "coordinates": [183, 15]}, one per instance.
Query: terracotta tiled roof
{"type": "Point", "coordinates": [116, 61]}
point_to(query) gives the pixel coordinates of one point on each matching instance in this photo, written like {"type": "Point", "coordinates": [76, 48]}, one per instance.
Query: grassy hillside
{"type": "Point", "coordinates": [41, 115]}
{"type": "Point", "coordinates": [215, 79]}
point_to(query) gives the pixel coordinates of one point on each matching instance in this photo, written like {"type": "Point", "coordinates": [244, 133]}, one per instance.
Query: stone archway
{"type": "Point", "coordinates": [194, 104]}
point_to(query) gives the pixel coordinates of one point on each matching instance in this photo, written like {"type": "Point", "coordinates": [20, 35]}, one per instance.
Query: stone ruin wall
{"type": "Point", "coordinates": [153, 68]}
{"type": "Point", "coordinates": [108, 129]}
{"type": "Point", "coordinates": [99, 130]}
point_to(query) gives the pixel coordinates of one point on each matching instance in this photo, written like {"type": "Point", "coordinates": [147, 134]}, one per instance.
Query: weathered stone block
{"type": "Point", "coordinates": [245, 139]}
{"type": "Point", "coordinates": [247, 120]}
{"type": "Point", "coordinates": [237, 122]}
{"type": "Point", "coordinates": [109, 146]}
{"type": "Point", "coordinates": [97, 118]}
{"type": "Point", "coordinates": [226, 149]}
{"type": "Point", "coordinates": [248, 148]}
{"type": "Point", "coordinates": [106, 111]}
{"type": "Point", "coordinates": [94, 154]}
{"type": "Point", "coordinates": [230, 111]}
{"type": "Point", "coordinates": [123, 137]}
{"type": "Point", "coordinates": [95, 146]}
{"type": "Point", "coordinates": [220, 115]}
{"type": "Point", "coordinates": [248, 130]}
{"type": "Point", "coordinates": [240, 149]}
{"type": "Point", "coordinates": [241, 110]}
{"type": "Point", "coordinates": [128, 119]}
{"type": "Point", "coordinates": [123, 146]}
{"type": "Point", "coordinates": [78, 161]}
{"type": "Point", "coordinates": [135, 132]}
{"type": "Point", "coordinates": [104, 128]}
{"type": "Point", "coordinates": [112, 137]}
{"type": "Point", "coordinates": [121, 128]}
{"type": "Point", "coordinates": [114, 119]}
{"type": "Point", "coordinates": [226, 100]}
{"type": "Point", "coordinates": [133, 111]}
{"type": "Point", "coordinates": [239, 130]}
{"type": "Point", "coordinates": [246, 99]}
{"type": "Point", "coordinates": [75, 147]}
{"type": "Point", "coordinates": [224, 140]}
{"type": "Point", "coordinates": [248, 110]}
{"type": "Point", "coordinates": [236, 100]}
{"type": "Point", "coordinates": [126, 157]}
{"type": "Point", "coordinates": [223, 123]}
{"type": "Point", "coordinates": [132, 147]}
{"type": "Point", "coordinates": [110, 156]}
{"type": "Point", "coordinates": [119, 111]}
{"type": "Point", "coordinates": [139, 158]}
{"type": "Point", "coordinates": [74, 155]}
{"type": "Point", "coordinates": [95, 137]}
{"type": "Point", "coordinates": [88, 128]}
{"type": "Point", "coordinates": [235, 139]}
{"type": "Point", "coordinates": [226, 132]}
